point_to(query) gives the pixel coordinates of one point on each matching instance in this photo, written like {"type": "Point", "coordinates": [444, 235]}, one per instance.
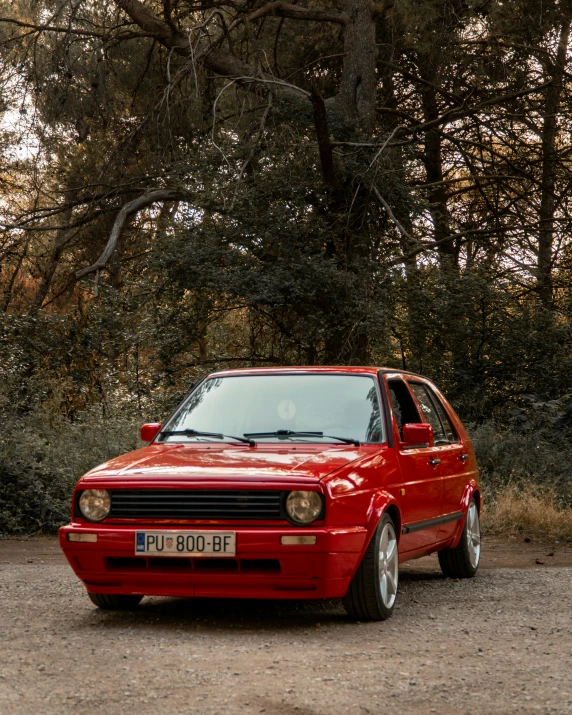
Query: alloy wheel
{"type": "Point", "coordinates": [388, 565]}
{"type": "Point", "coordinates": [473, 535]}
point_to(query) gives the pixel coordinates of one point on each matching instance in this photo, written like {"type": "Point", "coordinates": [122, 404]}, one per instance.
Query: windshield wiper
{"type": "Point", "coordinates": [198, 433]}
{"type": "Point", "coordinates": [292, 433]}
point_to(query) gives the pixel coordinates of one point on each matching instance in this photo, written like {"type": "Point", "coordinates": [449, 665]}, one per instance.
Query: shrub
{"type": "Point", "coordinates": [41, 458]}
{"type": "Point", "coordinates": [531, 449]}
{"type": "Point", "coordinates": [530, 510]}
{"type": "Point", "coordinates": [524, 462]}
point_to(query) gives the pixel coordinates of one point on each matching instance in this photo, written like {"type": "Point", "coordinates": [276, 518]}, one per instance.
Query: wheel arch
{"type": "Point", "coordinates": [395, 514]}
{"type": "Point", "coordinates": [471, 491]}
{"type": "Point", "coordinates": [478, 498]}
{"type": "Point", "coordinates": [382, 503]}
{"type": "Point", "coordinates": [366, 597]}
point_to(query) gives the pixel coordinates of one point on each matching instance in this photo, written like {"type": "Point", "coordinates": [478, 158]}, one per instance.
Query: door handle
{"type": "Point", "coordinates": [434, 462]}
{"type": "Point", "coordinates": [464, 456]}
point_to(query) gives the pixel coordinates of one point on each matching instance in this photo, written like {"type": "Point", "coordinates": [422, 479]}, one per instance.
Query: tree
{"type": "Point", "coordinates": [307, 173]}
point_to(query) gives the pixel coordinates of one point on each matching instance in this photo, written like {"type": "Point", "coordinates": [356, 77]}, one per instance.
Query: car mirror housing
{"type": "Point", "coordinates": [149, 431]}
{"type": "Point", "coordinates": [417, 433]}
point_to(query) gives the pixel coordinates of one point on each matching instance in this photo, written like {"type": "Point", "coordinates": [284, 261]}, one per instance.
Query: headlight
{"type": "Point", "coordinates": [95, 504]}
{"type": "Point", "coordinates": [303, 507]}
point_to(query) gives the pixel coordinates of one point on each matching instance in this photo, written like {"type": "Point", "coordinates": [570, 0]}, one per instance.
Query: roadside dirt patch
{"type": "Point", "coordinates": [500, 643]}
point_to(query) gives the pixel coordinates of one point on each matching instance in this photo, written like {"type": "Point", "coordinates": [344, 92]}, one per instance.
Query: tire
{"type": "Point", "coordinates": [373, 590]}
{"type": "Point", "coordinates": [463, 560]}
{"type": "Point", "coordinates": [114, 602]}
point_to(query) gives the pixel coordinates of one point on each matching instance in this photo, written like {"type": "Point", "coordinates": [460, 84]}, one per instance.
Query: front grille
{"type": "Point", "coordinates": [195, 504]}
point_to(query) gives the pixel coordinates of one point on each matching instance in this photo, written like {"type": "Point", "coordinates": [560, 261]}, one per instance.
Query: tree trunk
{"type": "Point", "coordinates": [7, 293]}
{"type": "Point", "coordinates": [549, 169]}
{"type": "Point", "coordinates": [432, 159]}
{"type": "Point", "coordinates": [355, 105]}
{"type": "Point", "coordinates": [60, 241]}
{"type": "Point", "coordinates": [346, 346]}
{"type": "Point", "coordinates": [355, 101]}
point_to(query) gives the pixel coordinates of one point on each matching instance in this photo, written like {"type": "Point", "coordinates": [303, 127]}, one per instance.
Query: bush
{"type": "Point", "coordinates": [532, 449]}
{"type": "Point", "coordinates": [527, 509]}
{"type": "Point", "coordinates": [525, 471]}
{"type": "Point", "coordinates": [41, 458]}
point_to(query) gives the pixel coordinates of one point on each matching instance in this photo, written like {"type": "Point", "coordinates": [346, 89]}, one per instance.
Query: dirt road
{"type": "Point", "coordinates": [501, 643]}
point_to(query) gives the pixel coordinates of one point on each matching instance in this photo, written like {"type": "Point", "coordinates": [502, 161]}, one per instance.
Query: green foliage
{"type": "Point", "coordinates": [42, 457]}
{"type": "Point", "coordinates": [532, 446]}
{"type": "Point", "coordinates": [419, 246]}
{"type": "Point", "coordinates": [488, 347]}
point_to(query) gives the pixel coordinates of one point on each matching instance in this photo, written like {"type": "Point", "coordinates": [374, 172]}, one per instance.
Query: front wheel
{"type": "Point", "coordinates": [463, 560]}
{"type": "Point", "coordinates": [114, 601]}
{"type": "Point", "coordinates": [373, 590]}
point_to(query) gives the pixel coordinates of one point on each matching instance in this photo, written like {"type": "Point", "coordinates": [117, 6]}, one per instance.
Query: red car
{"type": "Point", "coordinates": [310, 482]}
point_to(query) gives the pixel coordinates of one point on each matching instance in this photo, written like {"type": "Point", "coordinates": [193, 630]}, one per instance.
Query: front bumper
{"type": "Point", "coordinates": [262, 567]}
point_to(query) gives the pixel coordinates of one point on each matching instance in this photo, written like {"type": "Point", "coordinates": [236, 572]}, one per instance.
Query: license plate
{"type": "Point", "coordinates": [185, 543]}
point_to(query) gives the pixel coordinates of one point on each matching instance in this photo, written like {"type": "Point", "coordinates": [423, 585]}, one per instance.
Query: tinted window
{"type": "Point", "coordinates": [402, 404]}
{"type": "Point", "coordinates": [338, 405]}
{"type": "Point", "coordinates": [450, 432]}
{"type": "Point", "coordinates": [429, 411]}
{"type": "Point", "coordinates": [435, 413]}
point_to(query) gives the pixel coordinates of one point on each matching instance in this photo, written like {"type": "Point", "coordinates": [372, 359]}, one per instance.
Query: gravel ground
{"type": "Point", "coordinates": [501, 643]}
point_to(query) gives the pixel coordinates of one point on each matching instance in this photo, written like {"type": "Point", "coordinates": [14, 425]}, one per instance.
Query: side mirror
{"type": "Point", "coordinates": [417, 433]}
{"type": "Point", "coordinates": [149, 431]}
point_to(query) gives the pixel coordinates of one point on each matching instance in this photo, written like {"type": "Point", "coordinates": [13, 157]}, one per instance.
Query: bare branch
{"type": "Point", "coordinates": [451, 115]}
{"type": "Point", "coordinates": [131, 207]}
{"type": "Point", "coordinates": [214, 58]}
{"type": "Point", "coordinates": [392, 216]}
{"type": "Point", "coordinates": [284, 9]}
{"type": "Point", "coordinates": [255, 146]}
{"type": "Point", "coordinates": [435, 244]}
{"type": "Point", "coordinates": [51, 28]}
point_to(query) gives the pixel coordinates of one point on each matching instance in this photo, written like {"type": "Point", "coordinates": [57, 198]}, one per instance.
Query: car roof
{"type": "Point", "coordinates": [323, 369]}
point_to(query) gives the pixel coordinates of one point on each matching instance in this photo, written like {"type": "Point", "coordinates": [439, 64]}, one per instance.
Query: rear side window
{"type": "Point", "coordinates": [450, 432]}
{"type": "Point", "coordinates": [434, 413]}
{"type": "Point", "coordinates": [402, 404]}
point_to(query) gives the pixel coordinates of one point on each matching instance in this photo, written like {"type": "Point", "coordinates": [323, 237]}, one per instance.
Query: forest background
{"type": "Point", "coordinates": [190, 185]}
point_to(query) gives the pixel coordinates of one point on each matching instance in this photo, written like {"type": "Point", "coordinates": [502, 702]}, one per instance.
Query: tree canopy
{"type": "Point", "coordinates": [188, 185]}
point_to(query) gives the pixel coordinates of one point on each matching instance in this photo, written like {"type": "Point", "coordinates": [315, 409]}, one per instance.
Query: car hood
{"type": "Point", "coordinates": [226, 462]}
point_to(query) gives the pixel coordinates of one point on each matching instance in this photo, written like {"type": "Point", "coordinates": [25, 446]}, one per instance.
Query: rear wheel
{"type": "Point", "coordinates": [373, 590]}
{"type": "Point", "coordinates": [463, 560]}
{"type": "Point", "coordinates": [114, 601]}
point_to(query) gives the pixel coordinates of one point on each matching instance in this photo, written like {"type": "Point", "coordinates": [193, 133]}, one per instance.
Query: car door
{"type": "Point", "coordinates": [420, 491]}
{"type": "Point", "coordinates": [448, 451]}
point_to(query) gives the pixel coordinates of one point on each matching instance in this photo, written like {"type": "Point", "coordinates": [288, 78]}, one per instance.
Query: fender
{"type": "Point", "coordinates": [471, 489]}
{"type": "Point", "coordinates": [381, 502]}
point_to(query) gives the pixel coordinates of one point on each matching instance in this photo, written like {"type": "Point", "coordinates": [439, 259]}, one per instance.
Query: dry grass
{"type": "Point", "coordinates": [514, 509]}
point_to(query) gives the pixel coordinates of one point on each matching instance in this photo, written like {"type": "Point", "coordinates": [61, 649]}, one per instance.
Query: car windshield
{"type": "Point", "coordinates": [273, 408]}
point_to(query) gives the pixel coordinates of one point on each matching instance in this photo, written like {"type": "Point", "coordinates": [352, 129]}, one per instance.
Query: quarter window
{"type": "Point", "coordinates": [434, 413]}
{"type": "Point", "coordinates": [450, 432]}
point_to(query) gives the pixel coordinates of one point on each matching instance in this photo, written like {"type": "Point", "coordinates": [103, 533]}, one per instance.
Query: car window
{"type": "Point", "coordinates": [450, 431]}
{"type": "Point", "coordinates": [402, 404]}
{"type": "Point", "coordinates": [336, 404]}
{"type": "Point", "coordinates": [434, 413]}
